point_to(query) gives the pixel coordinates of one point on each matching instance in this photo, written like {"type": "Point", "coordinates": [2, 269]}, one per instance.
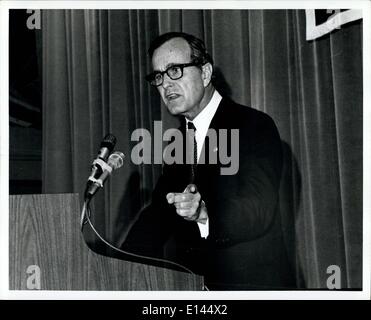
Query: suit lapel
{"type": "Point", "coordinates": [210, 167]}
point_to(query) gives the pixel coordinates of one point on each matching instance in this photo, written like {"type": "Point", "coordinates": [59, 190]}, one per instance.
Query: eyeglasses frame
{"type": "Point", "coordinates": [150, 77]}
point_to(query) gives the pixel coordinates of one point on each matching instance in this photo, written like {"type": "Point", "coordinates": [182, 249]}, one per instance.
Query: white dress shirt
{"type": "Point", "coordinates": [202, 123]}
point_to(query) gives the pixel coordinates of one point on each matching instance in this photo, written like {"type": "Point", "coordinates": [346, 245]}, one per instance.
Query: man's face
{"type": "Point", "coordinates": [184, 96]}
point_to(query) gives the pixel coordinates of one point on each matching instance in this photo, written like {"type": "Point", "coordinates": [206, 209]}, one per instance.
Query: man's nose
{"type": "Point", "coordinates": [166, 81]}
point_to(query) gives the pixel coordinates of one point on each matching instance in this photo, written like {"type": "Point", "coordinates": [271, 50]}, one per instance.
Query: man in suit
{"type": "Point", "coordinates": [223, 226]}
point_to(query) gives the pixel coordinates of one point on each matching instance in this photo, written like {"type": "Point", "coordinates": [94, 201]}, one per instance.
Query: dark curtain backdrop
{"type": "Point", "coordinates": [94, 63]}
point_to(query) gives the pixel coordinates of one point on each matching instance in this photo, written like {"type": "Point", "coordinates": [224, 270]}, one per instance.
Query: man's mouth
{"type": "Point", "coordinates": [172, 96]}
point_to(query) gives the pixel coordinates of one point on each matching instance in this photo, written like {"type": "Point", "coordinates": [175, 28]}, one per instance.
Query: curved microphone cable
{"type": "Point", "coordinates": [115, 161]}
{"type": "Point", "coordinates": [86, 208]}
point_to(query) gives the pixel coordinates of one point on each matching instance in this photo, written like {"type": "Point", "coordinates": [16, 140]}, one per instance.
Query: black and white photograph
{"type": "Point", "coordinates": [198, 149]}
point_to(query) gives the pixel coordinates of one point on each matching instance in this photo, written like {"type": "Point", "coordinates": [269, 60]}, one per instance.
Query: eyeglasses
{"type": "Point", "coordinates": [174, 72]}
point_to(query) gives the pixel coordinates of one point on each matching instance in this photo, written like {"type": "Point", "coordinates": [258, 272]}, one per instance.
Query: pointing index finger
{"type": "Point", "coordinates": [170, 198]}
{"type": "Point", "coordinates": [182, 197]}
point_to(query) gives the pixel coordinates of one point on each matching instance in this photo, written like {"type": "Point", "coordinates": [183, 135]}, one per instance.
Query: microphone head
{"type": "Point", "coordinates": [116, 160]}
{"type": "Point", "coordinates": [109, 142]}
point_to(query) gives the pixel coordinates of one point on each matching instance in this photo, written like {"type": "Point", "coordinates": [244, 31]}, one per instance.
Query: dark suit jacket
{"type": "Point", "coordinates": [245, 248]}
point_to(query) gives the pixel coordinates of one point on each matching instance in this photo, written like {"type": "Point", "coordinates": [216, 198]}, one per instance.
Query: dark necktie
{"type": "Point", "coordinates": [192, 135]}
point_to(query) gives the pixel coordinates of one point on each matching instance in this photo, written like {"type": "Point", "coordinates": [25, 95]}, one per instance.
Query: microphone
{"type": "Point", "coordinates": [106, 146]}
{"type": "Point", "coordinates": [105, 149]}
{"type": "Point", "coordinates": [115, 161]}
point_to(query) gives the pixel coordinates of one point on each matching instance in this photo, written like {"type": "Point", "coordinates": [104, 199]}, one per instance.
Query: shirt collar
{"type": "Point", "coordinates": [203, 119]}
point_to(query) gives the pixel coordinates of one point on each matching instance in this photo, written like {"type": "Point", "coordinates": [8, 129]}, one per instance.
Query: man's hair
{"type": "Point", "coordinates": [198, 50]}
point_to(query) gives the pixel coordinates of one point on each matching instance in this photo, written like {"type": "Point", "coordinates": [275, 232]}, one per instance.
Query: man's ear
{"type": "Point", "coordinates": [207, 71]}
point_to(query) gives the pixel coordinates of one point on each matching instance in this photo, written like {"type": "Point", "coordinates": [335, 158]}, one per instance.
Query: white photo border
{"type": "Point", "coordinates": [5, 293]}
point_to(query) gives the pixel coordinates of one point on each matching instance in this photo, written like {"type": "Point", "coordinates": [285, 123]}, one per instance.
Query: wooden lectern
{"type": "Point", "coordinates": [44, 231]}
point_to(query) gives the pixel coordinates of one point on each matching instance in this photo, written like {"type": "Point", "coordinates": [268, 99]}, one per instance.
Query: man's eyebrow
{"type": "Point", "coordinates": [167, 66]}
